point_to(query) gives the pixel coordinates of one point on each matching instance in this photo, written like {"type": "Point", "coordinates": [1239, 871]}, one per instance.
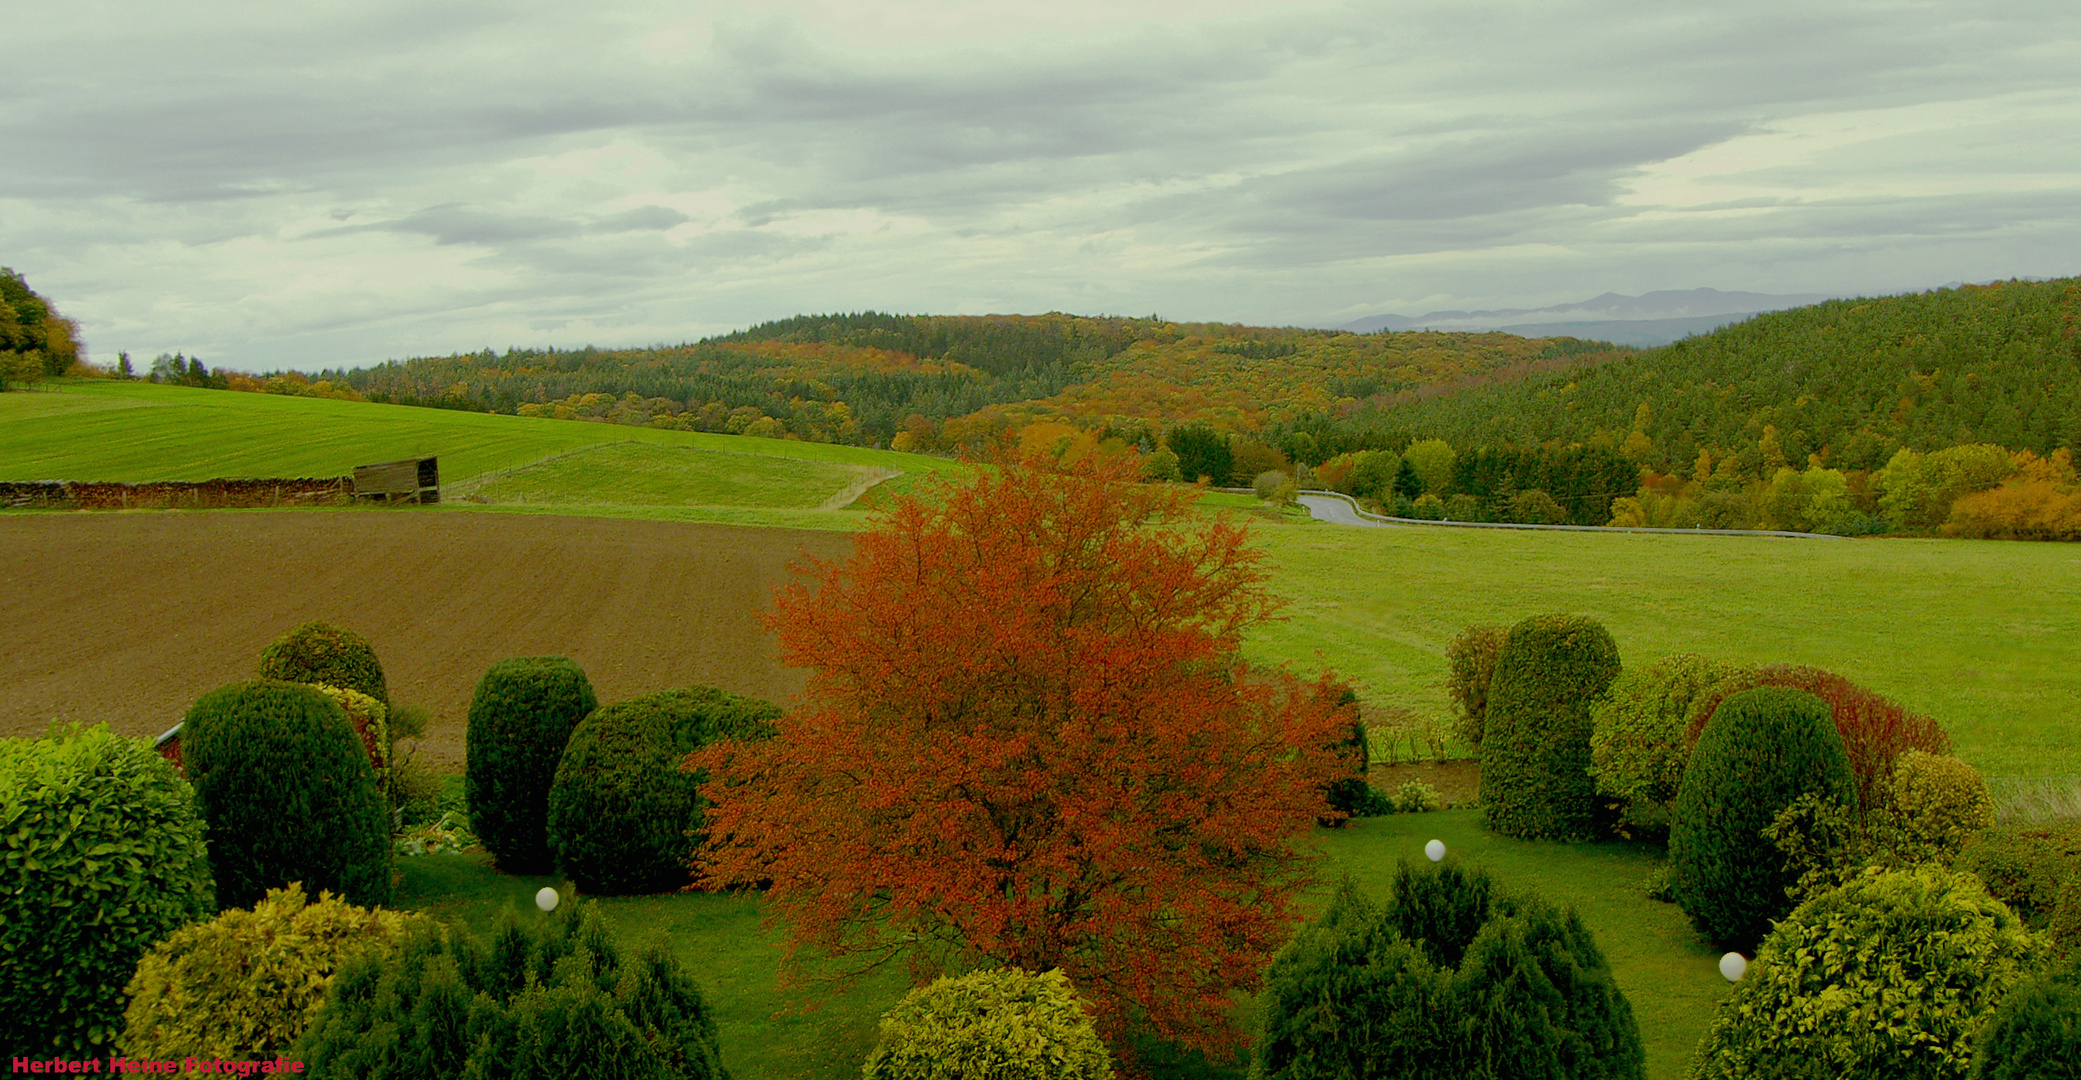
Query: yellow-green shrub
{"type": "Point", "coordinates": [371, 720]}
{"type": "Point", "coordinates": [1933, 804]}
{"type": "Point", "coordinates": [1006, 1024]}
{"type": "Point", "coordinates": [247, 983]}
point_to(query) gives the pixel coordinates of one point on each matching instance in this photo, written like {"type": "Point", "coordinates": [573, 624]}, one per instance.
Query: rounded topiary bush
{"type": "Point", "coordinates": [101, 854]}
{"type": "Point", "coordinates": [2035, 1033]}
{"type": "Point", "coordinates": [622, 817]}
{"type": "Point", "coordinates": [1933, 804]}
{"type": "Point", "coordinates": [1638, 740]}
{"type": "Point", "coordinates": [1449, 978]}
{"type": "Point", "coordinates": [1885, 978]}
{"type": "Point", "coordinates": [520, 719]}
{"type": "Point", "coordinates": [287, 792]}
{"type": "Point", "coordinates": [1875, 729]}
{"type": "Point", "coordinates": [1535, 743]}
{"type": "Point", "coordinates": [321, 653]}
{"type": "Point", "coordinates": [246, 984]}
{"type": "Point", "coordinates": [549, 997]}
{"type": "Point", "coordinates": [1763, 750]}
{"type": "Point", "coordinates": [1005, 1023]}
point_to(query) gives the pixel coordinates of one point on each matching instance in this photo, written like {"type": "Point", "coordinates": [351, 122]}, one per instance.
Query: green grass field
{"type": "Point", "coordinates": [1985, 636]}
{"type": "Point", "coordinates": [85, 429]}
{"type": "Point", "coordinates": [770, 1033]}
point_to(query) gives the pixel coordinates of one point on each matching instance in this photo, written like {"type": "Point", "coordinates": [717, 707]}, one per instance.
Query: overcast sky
{"type": "Point", "coordinates": [272, 185]}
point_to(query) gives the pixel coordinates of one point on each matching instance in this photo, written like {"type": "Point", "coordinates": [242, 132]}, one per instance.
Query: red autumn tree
{"type": "Point", "coordinates": [1027, 739]}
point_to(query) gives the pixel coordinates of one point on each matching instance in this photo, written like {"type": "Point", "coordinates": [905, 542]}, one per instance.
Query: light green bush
{"type": "Point", "coordinates": [101, 854]}
{"type": "Point", "coordinates": [1638, 739]}
{"type": "Point", "coordinates": [246, 984]}
{"type": "Point", "coordinates": [1004, 1024]}
{"type": "Point", "coordinates": [1416, 797]}
{"type": "Point", "coordinates": [1886, 978]}
{"type": "Point", "coordinates": [1933, 805]}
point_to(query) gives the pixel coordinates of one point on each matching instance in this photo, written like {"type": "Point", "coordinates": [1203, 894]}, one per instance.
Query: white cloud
{"type": "Point", "coordinates": [343, 183]}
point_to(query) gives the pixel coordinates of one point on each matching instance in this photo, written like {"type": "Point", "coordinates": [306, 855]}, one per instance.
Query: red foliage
{"type": "Point", "coordinates": [1875, 729]}
{"type": "Point", "coordinates": [1028, 740]}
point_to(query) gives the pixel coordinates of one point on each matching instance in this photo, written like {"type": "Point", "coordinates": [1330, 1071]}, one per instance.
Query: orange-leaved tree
{"type": "Point", "coordinates": [1027, 740]}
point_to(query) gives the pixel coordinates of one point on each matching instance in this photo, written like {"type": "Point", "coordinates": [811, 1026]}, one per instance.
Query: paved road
{"type": "Point", "coordinates": [1338, 512]}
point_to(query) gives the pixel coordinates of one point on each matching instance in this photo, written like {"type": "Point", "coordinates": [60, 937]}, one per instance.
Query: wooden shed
{"type": "Point", "coordinates": [411, 480]}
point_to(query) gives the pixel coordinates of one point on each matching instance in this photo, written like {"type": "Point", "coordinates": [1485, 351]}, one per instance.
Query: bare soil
{"type": "Point", "coordinates": [1457, 781]}
{"type": "Point", "coordinates": [128, 617]}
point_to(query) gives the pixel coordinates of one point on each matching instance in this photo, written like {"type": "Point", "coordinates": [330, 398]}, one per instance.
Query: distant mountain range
{"type": "Point", "coordinates": [1655, 318]}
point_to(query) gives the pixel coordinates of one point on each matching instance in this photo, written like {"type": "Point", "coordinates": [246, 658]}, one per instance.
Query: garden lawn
{"type": "Point", "coordinates": [1985, 636]}
{"type": "Point", "coordinates": [1667, 972]}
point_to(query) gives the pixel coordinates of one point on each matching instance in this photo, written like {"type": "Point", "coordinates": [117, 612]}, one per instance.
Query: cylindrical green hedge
{"type": "Point", "coordinates": [321, 653]}
{"type": "Point", "coordinates": [622, 817]}
{"type": "Point", "coordinates": [1763, 749]}
{"type": "Point", "coordinates": [101, 854]}
{"type": "Point", "coordinates": [1889, 977]}
{"type": "Point", "coordinates": [520, 719]}
{"type": "Point", "coordinates": [1535, 743]}
{"type": "Point", "coordinates": [286, 788]}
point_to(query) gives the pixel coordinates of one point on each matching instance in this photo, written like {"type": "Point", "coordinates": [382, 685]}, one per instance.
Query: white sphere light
{"type": "Point", "coordinates": [1436, 850]}
{"type": "Point", "coordinates": [546, 899]}
{"type": "Point", "coordinates": [1734, 966]}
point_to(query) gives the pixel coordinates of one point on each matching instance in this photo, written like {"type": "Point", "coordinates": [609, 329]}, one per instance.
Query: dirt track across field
{"type": "Point", "coordinates": [128, 617]}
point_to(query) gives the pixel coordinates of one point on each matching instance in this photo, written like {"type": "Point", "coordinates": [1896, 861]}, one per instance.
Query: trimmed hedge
{"type": "Point", "coordinates": [318, 652]}
{"type": "Point", "coordinates": [1452, 978]}
{"type": "Point", "coordinates": [1006, 1024]}
{"type": "Point", "coordinates": [1535, 746]}
{"type": "Point", "coordinates": [1639, 743]}
{"type": "Point", "coordinates": [1886, 978]}
{"type": "Point", "coordinates": [101, 854]}
{"type": "Point", "coordinates": [1933, 805]}
{"type": "Point", "coordinates": [2024, 865]}
{"type": "Point", "coordinates": [247, 984]}
{"type": "Point", "coordinates": [286, 789]}
{"type": "Point", "coordinates": [549, 997]}
{"type": "Point", "coordinates": [622, 816]}
{"type": "Point", "coordinates": [1763, 750]}
{"type": "Point", "coordinates": [1875, 729]}
{"type": "Point", "coordinates": [521, 717]}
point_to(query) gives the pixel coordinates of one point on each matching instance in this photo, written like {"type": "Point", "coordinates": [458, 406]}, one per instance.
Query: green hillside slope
{"type": "Point", "coordinates": [1850, 380]}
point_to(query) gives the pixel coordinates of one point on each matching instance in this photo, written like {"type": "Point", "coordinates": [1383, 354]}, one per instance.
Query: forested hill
{"type": "Point", "coordinates": [940, 382]}
{"type": "Point", "coordinates": [1849, 380]}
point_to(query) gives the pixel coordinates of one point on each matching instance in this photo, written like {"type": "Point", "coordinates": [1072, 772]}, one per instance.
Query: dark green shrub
{"type": "Point", "coordinates": [1875, 729]}
{"type": "Point", "coordinates": [1452, 978]}
{"type": "Point", "coordinates": [2035, 1033]}
{"type": "Point", "coordinates": [520, 719]}
{"type": "Point", "coordinates": [1638, 740]}
{"type": "Point", "coordinates": [2024, 864]}
{"type": "Point", "coordinates": [101, 854]}
{"type": "Point", "coordinates": [1535, 746]}
{"type": "Point", "coordinates": [286, 790]}
{"type": "Point", "coordinates": [1353, 795]}
{"type": "Point", "coordinates": [620, 811]}
{"type": "Point", "coordinates": [1470, 664]}
{"type": "Point", "coordinates": [247, 983]}
{"type": "Point", "coordinates": [1763, 750]}
{"type": "Point", "coordinates": [1886, 978]}
{"type": "Point", "coordinates": [1005, 1024]}
{"type": "Point", "coordinates": [549, 997]}
{"type": "Point", "coordinates": [320, 653]}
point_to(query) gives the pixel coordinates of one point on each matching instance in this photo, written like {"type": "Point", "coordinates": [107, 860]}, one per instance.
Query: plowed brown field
{"type": "Point", "coordinates": [128, 617]}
